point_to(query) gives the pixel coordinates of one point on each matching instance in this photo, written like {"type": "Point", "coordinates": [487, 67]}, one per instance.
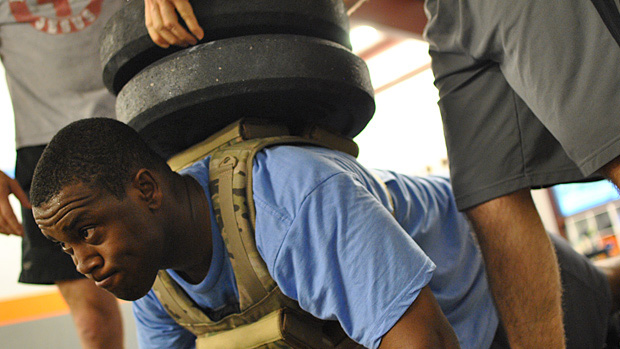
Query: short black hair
{"type": "Point", "coordinates": [100, 152]}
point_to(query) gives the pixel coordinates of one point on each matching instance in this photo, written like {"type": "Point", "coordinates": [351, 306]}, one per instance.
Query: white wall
{"type": "Point", "coordinates": [406, 134]}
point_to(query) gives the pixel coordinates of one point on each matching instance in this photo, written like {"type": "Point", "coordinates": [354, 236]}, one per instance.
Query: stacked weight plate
{"type": "Point", "coordinates": [284, 60]}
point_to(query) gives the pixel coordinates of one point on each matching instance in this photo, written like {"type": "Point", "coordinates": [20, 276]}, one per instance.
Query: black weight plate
{"type": "Point", "coordinates": [126, 47]}
{"type": "Point", "coordinates": [186, 97]}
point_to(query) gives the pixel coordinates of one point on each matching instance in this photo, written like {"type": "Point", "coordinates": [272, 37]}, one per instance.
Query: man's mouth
{"type": "Point", "coordinates": [105, 282]}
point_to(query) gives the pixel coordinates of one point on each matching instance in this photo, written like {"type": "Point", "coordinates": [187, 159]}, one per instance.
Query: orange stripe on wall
{"type": "Point", "coordinates": [32, 308]}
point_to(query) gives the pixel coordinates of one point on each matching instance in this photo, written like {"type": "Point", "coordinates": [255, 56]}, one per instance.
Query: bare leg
{"type": "Point", "coordinates": [95, 312]}
{"type": "Point", "coordinates": [522, 269]}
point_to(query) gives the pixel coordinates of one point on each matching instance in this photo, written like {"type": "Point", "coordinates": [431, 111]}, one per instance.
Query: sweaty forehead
{"type": "Point", "coordinates": [70, 198]}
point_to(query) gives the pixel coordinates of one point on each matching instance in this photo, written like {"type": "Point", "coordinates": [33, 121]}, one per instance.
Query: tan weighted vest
{"type": "Point", "coordinates": [267, 318]}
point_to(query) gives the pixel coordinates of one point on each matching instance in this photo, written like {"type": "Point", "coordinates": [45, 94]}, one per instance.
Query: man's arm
{"type": "Point", "coordinates": [9, 224]}
{"type": "Point", "coordinates": [162, 22]}
{"type": "Point", "coordinates": [422, 326]}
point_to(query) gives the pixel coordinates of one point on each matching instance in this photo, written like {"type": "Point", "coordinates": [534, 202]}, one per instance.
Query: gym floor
{"type": "Point", "coordinates": [43, 321]}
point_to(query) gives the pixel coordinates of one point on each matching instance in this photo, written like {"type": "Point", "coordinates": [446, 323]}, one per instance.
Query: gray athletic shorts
{"type": "Point", "coordinates": [529, 91]}
{"type": "Point", "coordinates": [43, 262]}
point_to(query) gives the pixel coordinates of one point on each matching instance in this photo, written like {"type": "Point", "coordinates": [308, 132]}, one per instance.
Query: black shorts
{"type": "Point", "coordinates": [43, 262]}
{"type": "Point", "coordinates": [529, 91]}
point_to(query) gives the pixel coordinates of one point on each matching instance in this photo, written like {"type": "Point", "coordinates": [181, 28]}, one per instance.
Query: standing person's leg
{"type": "Point", "coordinates": [498, 150]}
{"type": "Point", "coordinates": [496, 64]}
{"type": "Point", "coordinates": [521, 268]}
{"type": "Point", "coordinates": [95, 312]}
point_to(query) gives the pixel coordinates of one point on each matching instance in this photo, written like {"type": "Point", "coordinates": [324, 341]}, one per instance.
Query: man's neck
{"type": "Point", "coordinates": [193, 236]}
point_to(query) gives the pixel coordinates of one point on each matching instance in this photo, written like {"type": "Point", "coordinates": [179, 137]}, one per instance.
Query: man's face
{"type": "Point", "coordinates": [114, 242]}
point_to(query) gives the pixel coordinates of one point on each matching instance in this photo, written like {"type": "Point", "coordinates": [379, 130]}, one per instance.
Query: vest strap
{"type": "Point", "coordinates": [265, 330]}
{"type": "Point", "coordinates": [237, 250]}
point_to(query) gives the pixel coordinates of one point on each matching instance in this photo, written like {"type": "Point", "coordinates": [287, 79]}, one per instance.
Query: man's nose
{"type": "Point", "coordinates": [86, 259]}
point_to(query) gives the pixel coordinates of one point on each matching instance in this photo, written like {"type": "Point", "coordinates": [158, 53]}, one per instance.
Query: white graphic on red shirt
{"type": "Point", "coordinates": [56, 16]}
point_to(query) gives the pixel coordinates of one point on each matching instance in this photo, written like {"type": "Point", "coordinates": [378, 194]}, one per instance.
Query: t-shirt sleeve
{"type": "Point", "coordinates": [156, 329]}
{"type": "Point", "coordinates": [344, 257]}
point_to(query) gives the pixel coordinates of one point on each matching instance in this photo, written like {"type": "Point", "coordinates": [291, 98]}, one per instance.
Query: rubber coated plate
{"type": "Point", "coordinates": [126, 47]}
{"type": "Point", "coordinates": [186, 97]}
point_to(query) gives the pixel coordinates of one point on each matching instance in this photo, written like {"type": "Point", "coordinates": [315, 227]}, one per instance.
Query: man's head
{"type": "Point", "coordinates": [99, 152]}
{"type": "Point", "coordinates": [97, 192]}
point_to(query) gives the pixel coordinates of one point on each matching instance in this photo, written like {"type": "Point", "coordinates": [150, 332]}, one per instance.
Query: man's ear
{"type": "Point", "coordinates": [148, 187]}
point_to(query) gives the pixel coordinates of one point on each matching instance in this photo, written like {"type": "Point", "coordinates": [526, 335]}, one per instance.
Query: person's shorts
{"type": "Point", "coordinates": [529, 91]}
{"type": "Point", "coordinates": [43, 262]}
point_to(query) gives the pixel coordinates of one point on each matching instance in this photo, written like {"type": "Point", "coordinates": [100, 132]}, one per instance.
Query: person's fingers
{"type": "Point", "coordinates": [9, 224]}
{"type": "Point", "coordinates": [157, 39]}
{"type": "Point", "coordinates": [8, 221]}
{"type": "Point", "coordinates": [185, 10]}
{"type": "Point", "coordinates": [148, 22]}
{"type": "Point", "coordinates": [155, 25]}
{"type": "Point", "coordinates": [171, 23]}
{"type": "Point", "coordinates": [19, 193]}
{"type": "Point", "coordinates": [162, 23]}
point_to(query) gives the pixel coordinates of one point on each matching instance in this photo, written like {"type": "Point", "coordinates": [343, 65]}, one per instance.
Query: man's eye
{"type": "Point", "coordinates": [87, 233]}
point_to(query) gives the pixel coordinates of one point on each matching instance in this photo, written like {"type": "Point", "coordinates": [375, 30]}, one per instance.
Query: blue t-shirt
{"type": "Point", "coordinates": [324, 227]}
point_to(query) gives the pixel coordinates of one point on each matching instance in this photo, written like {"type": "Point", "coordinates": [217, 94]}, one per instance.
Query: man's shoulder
{"type": "Point", "coordinates": [301, 166]}
{"type": "Point", "coordinates": [284, 177]}
{"type": "Point", "coordinates": [305, 158]}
